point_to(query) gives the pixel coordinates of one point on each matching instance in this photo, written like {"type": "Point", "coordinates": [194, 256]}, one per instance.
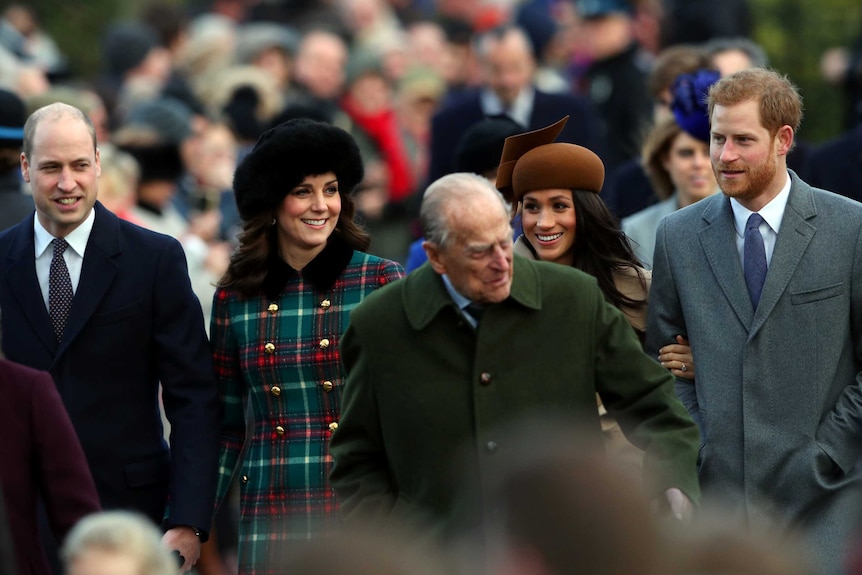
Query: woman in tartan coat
{"type": "Point", "coordinates": [278, 316]}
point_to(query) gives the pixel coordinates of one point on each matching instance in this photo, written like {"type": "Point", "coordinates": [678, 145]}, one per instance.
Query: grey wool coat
{"type": "Point", "coordinates": [421, 383]}
{"type": "Point", "coordinates": [777, 391]}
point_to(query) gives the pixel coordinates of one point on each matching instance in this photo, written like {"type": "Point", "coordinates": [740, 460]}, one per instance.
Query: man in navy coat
{"type": "Point", "coordinates": [507, 67]}
{"type": "Point", "coordinates": [133, 323]}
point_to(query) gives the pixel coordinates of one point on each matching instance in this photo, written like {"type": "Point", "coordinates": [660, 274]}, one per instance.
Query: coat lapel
{"type": "Point", "coordinates": [718, 240]}
{"type": "Point", "coordinates": [97, 273]}
{"type": "Point", "coordinates": [425, 293]}
{"type": "Point", "coordinates": [793, 239]}
{"type": "Point", "coordinates": [20, 273]}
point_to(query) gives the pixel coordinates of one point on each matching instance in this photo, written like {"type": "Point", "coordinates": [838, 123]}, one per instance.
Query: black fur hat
{"type": "Point", "coordinates": [284, 155]}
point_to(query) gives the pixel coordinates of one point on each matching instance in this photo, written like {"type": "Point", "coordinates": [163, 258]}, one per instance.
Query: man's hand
{"type": "Point", "coordinates": [680, 505]}
{"type": "Point", "coordinates": [184, 540]}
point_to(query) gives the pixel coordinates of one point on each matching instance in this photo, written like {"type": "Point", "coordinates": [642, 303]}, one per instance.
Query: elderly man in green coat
{"type": "Point", "coordinates": [475, 339]}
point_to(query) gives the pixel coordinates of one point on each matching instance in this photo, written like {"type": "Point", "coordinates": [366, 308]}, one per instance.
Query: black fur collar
{"type": "Point", "coordinates": [322, 271]}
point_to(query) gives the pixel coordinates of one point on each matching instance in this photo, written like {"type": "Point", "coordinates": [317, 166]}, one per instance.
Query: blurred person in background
{"type": "Point", "coordinates": [676, 157]}
{"type": "Point", "coordinates": [615, 79]}
{"type": "Point", "coordinates": [507, 63]}
{"type": "Point", "coordinates": [44, 464]}
{"type": "Point", "coordinates": [15, 201]}
{"type": "Point", "coordinates": [321, 70]}
{"type": "Point", "coordinates": [627, 188]}
{"type": "Point", "coordinates": [116, 543]}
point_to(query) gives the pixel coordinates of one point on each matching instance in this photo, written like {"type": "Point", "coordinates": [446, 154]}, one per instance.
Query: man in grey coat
{"type": "Point", "coordinates": [765, 280]}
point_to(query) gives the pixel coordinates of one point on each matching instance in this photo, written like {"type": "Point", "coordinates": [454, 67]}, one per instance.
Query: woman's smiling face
{"type": "Point", "coordinates": [307, 217]}
{"type": "Point", "coordinates": [549, 222]}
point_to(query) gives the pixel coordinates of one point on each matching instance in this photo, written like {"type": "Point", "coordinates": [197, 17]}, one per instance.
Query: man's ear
{"type": "Point", "coordinates": [433, 252]}
{"type": "Point", "coordinates": [784, 140]}
{"type": "Point", "coordinates": [25, 168]}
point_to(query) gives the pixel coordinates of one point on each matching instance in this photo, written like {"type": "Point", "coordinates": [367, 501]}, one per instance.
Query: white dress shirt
{"type": "Point", "coordinates": [74, 254]}
{"type": "Point", "coordinates": [771, 214]}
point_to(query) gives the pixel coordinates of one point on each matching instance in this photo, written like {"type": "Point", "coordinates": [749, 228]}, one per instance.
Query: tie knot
{"type": "Point", "coordinates": [754, 221]}
{"type": "Point", "coordinates": [476, 310]}
{"type": "Point", "coordinates": [60, 246]}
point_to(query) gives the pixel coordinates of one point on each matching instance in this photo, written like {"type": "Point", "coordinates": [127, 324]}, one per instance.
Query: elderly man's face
{"type": "Point", "coordinates": [478, 257]}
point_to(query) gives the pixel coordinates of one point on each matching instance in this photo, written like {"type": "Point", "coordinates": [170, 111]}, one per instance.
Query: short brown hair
{"type": "Point", "coordinates": [673, 61]}
{"type": "Point", "coordinates": [655, 150]}
{"type": "Point", "coordinates": [779, 99]}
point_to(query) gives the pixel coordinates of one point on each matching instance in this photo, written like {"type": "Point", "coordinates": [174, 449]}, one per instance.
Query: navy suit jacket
{"type": "Point", "coordinates": [134, 322]}
{"type": "Point", "coordinates": [464, 110]}
{"type": "Point", "coordinates": [42, 458]}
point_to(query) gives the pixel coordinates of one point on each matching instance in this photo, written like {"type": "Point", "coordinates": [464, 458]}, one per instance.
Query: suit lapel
{"type": "Point", "coordinates": [20, 273]}
{"type": "Point", "coordinates": [718, 240]}
{"type": "Point", "coordinates": [97, 273]}
{"type": "Point", "coordinates": [793, 239]}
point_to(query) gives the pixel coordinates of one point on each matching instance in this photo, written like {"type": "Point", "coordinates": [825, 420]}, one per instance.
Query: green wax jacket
{"type": "Point", "coordinates": [423, 385]}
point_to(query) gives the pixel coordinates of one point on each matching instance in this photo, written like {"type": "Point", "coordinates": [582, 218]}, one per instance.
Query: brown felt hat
{"type": "Point", "coordinates": [532, 161]}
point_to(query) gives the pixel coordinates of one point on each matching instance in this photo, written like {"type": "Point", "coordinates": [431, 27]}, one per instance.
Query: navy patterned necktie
{"type": "Point", "coordinates": [59, 288]}
{"type": "Point", "coordinates": [475, 310]}
{"type": "Point", "coordinates": [754, 259]}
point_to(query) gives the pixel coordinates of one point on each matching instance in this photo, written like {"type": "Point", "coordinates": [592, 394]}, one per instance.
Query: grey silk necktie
{"type": "Point", "coordinates": [59, 289]}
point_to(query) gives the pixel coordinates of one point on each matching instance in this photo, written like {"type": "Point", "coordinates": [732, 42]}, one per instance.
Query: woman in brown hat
{"type": "Point", "coordinates": [278, 317]}
{"type": "Point", "coordinates": [565, 221]}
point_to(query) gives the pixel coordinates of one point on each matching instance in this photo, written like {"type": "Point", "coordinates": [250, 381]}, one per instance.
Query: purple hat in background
{"type": "Point", "coordinates": [689, 96]}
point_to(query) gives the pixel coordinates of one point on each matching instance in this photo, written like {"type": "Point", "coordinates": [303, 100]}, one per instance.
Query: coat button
{"type": "Point", "coordinates": [279, 430]}
{"type": "Point", "coordinates": [272, 308]}
{"type": "Point", "coordinates": [491, 447]}
{"type": "Point", "coordinates": [269, 348]}
{"type": "Point", "coordinates": [327, 386]}
{"type": "Point", "coordinates": [275, 390]}
{"type": "Point", "coordinates": [485, 378]}
{"type": "Point", "coordinates": [324, 343]}
{"type": "Point", "coordinates": [245, 478]}
{"type": "Point", "coordinates": [325, 303]}
{"type": "Point", "coordinates": [333, 426]}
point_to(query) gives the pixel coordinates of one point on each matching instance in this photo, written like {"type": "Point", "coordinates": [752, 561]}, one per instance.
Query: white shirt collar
{"type": "Point", "coordinates": [771, 212]}
{"type": "Point", "coordinates": [520, 110]}
{"type": "Point", "coordinates": [77, 238]}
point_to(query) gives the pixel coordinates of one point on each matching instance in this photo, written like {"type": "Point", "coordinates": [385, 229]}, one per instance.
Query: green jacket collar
{"type": "Point", "coordinates": [425, 295]}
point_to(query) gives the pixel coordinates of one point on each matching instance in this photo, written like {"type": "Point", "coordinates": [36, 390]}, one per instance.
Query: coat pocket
{"type": "Point", "coordinates": [809, 296]}
{"type": "Point", "coordinates": [117, 315]}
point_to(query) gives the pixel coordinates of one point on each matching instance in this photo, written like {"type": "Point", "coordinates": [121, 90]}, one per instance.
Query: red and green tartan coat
{"type": "Point", "coordinates": [281, 353]}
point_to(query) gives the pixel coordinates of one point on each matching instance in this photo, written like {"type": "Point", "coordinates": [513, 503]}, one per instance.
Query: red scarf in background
{"type": "Point", "coordinates": [382, 127]}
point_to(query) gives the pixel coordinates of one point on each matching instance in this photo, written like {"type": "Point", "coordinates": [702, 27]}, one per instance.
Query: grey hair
{"type": "Point", "coordinates": [123, 532]}
{"type": "Point", "coordinates": [438, 200]}
{"type": "Point", "coordinates": [484, 41]}
{"type": "Point", "coordinates": [54, 111]}
{"type": "Point", "coordinates": [756, 54]}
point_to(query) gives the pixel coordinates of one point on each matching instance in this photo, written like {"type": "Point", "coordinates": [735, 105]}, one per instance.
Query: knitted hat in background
{"type": "Point", "coordinates": [256, 37]}
{"type": "Point", "coordinates": [480, 147]}
{"type": "Point", "coordinates": [170, 118]}
{"type": "Point", "coordinates": [125, 45]}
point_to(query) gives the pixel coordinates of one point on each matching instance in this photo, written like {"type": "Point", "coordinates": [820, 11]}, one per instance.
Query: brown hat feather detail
{"type": "Point", "coordinates": [533, 162]}
{"type": "Point", "coordinates": [518, 145]}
